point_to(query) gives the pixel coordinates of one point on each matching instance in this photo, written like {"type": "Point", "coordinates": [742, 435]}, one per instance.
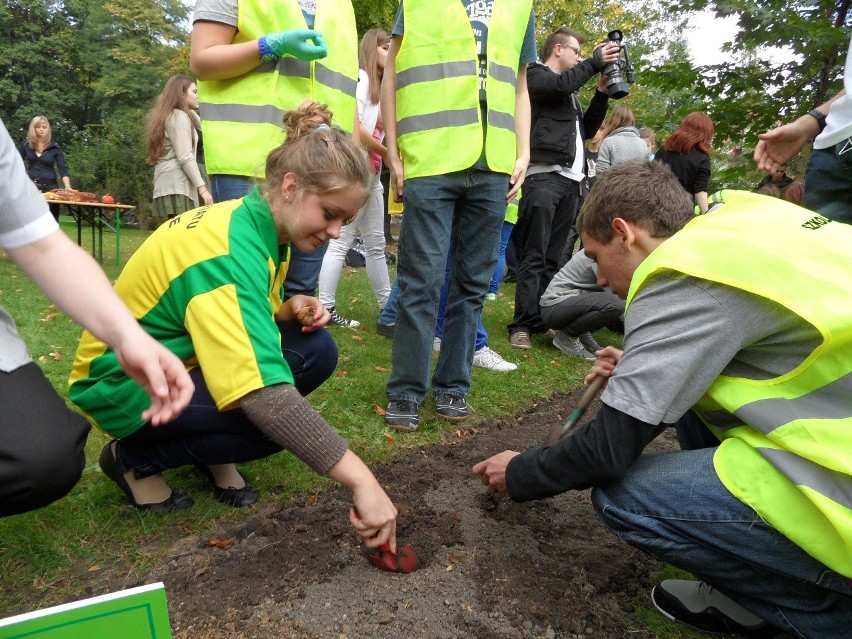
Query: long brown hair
{"type": "Point", "coordinates": [621, 116]}
{"type": "Point", "coordinates": [368, 59]}
{"type": "Point", "coordinates": [173, 97]}
{"type": "Point", "coordinates": [32, 139]}
{"type": "Point", "coordinates": [695, 130]}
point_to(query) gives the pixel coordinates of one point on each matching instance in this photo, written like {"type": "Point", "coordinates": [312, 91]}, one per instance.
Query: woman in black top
{"type": "Point", "coordinates": [43, 158]}
{"type": "Point", "coordinates": [687, 152]}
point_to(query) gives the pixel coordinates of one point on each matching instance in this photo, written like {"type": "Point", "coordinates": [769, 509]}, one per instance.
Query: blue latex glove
{"type": "Point", "coordinates": [305, 44]}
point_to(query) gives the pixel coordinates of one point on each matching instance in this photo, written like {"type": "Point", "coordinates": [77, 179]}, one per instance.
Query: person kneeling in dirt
{"type": "Point", "coordinates": [207, 285]}
{"type": "Point", "coordinates": [724, 335]}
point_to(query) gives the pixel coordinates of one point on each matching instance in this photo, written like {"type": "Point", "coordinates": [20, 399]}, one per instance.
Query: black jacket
{"type": "Point", "coordinates": [556, 109]}
{"type": "Point", "coordinates": [41, 168]}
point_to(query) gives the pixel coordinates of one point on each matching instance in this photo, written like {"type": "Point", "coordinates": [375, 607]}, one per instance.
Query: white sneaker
{"type": "Point", "coordinates": [572, 346]}
{"type": "Point", "coordinates": [492, 361]}
{"type": "Point", "coordinates": [436, 345]}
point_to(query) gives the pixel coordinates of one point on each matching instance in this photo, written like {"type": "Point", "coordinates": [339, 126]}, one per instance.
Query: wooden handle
{"type": "Point", "coordinates": [559, 431]}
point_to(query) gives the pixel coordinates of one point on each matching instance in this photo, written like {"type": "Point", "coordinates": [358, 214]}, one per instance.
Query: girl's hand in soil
{"type": "Point", "coordinates": [607, 358]}
{"type": "Point", "coordinates": [308, 311]}
{"type": "Point", "coordinates": [492, 471]}
{"type": "Point", "coordinates": [373, 515]}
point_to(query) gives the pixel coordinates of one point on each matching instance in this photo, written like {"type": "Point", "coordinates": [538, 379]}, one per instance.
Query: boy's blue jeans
{"type": "Point", "coordinates": [674, 507]}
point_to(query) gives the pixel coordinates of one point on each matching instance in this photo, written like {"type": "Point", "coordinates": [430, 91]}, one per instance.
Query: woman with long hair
{"type": "Point", "coordinates": [622, 142]}
{"type": "Point", "coordinates": [687, 152]}
{"type": "Point", "coordinates": [43, 158]}
{"type": "Point", "coordinates": [208, 286]}
{"type": "Point", "coordinates": [370, 220]}
{"type": "Point", "coordinates": [171, 146]}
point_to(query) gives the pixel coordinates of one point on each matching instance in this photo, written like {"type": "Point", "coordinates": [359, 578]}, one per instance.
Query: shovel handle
{"type": "Point", "coordinates": [558, 432]}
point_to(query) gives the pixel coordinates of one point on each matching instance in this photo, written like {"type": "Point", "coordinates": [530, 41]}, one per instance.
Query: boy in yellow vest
{"type": "Point", "coordinates": [456, 115]}
{"type": "Point", "coordinates": [749, 356]}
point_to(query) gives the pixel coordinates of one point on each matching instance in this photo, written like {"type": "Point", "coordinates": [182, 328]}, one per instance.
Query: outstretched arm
{"type": "Point", "coordinates": [522, 134]}
{"type": "Point", "coordinates": [81, 290]}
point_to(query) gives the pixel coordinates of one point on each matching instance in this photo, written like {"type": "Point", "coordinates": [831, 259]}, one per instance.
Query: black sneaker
{"type": "Point", "coordinates": [450, 407]}
{"type": "Point", "coordinates": [701, 607]}
{"type": "Point", "coordinates": [339, 320]}
{"type": "Point", "coordinates": [402, 415]}
{"type": "Point", "coordinates": [385, 330]}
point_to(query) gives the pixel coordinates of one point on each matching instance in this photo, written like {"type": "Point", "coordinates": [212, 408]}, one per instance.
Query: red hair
{"type": "Point", "coordinates": [696, 130]}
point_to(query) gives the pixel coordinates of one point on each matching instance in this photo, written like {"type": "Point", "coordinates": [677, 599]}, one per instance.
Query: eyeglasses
{"type": "Point", "coordinates": [576, 50]}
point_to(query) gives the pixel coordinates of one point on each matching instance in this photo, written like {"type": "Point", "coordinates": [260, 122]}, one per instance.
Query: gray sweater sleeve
{"type": "Point", "coordinates": [290, 421]}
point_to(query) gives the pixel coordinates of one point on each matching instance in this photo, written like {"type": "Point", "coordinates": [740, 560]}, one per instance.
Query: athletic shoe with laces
{"type": "Point", "coordinates": [492, 361]}
{"type": "Point", "coordinates": [521, 339]}
{"type": "Point", "coordinates": [339, 320]}
{"type": "Point", "coordinates": [589, 342]}
{"type": "Point", "coordinates": [572, 346]}
{"type": "Point", "coordinates": [450, 407]}
{"type": "Point", "coordinates": [402, 415]}
{"type": "Point", "coordinates": [702, 607]}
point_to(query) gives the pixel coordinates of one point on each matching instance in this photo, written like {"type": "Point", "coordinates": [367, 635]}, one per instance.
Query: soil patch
{"type": "Point", "coordinates": [489, 568]}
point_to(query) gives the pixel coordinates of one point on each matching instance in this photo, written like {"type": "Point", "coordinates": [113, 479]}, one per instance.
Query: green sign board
{"type": "Point", "coordinates": [137, 613]}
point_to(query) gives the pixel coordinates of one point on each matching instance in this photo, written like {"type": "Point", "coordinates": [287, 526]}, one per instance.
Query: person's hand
{"type": "Point", "coordinates": [775, 148]}
{"type": "Point", "coordinates": [607, 358]}
{"type": "Point", "coordinates": [309, 311]}
{"type": "Point", "coordinates": [492, 472]}
{"type": "Point", "coordinates": [517, 178]}
{"type": "Point", "coordinates": [397, 172]}
{"type": "Point", "coordinates": [373, 516]}
{"type": "Point", "coordinates": [160, 372]}
{"type": "Point", "coordinates": [602, 80]}
{"type": "Point", "coordinates": [604, 54]}
{"type": "Point", "coordinates": [205, 196]}
{"type": "Point", "coordinates": [305, 44]}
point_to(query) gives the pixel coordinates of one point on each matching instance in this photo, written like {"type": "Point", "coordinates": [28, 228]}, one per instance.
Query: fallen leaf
{"type": "Point", "coordinates": [202, 571]}
{"type": "Point", "coordinates": [357, 338]}
{"type": "Point", "coordinates": [57, 357]}
{"type": "Point", "coordinates": [381, 369]}
{"type": "Point", "coordinates": [450, 568]}
{"type": "Point", "coordinates": [220, 543]}
{"type": "Point", "coordinates": [553, 362]}
{"type": "Point", "coordinates": [312, 500]}
{"type": "Point", "coordinates": [43, 358]}
{"type": "Point", "coordinates": [379, 410]}
{"type": "Point", "coordinates": [94, 568]}
{"type": "Point", "coordinates": [342, 373]}
{"type": "Point", "coordinates": [47, 318]}
{"type": "Point", "coordinates": [389, 439]}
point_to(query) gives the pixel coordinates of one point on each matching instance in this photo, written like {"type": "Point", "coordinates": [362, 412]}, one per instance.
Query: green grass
{"type": "Point", "coordinates": [42, 553]}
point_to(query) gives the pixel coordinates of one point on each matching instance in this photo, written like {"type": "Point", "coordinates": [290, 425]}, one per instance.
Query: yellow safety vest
{"type": "Point", "coordinates": [512, 209]}
{"type": "Point", "coordinates": [241, 117]}
{"type": "Point", "coordinates": [439, 125]}
{"type": "Point", "coordinates": [786, 446]}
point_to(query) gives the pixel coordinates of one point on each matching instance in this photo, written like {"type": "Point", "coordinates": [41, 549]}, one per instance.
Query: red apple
{"type": "Point", "coordinates": [107, 199]}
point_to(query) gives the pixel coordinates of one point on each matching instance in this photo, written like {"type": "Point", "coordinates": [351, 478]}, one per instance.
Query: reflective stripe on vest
{"type": "Point", "coordinates": [241, 117]}
{"type": "Point", "coordinates": [437, 87]}
{"type": "Point", "coordinates": [787, 441]}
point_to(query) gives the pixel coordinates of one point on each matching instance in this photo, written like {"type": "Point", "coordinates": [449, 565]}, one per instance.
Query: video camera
{"type": "Point", "coordinates": [615, 82]}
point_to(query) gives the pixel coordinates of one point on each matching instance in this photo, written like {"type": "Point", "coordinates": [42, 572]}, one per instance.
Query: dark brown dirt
{"type": "Point", "coordinates": [489, 568]}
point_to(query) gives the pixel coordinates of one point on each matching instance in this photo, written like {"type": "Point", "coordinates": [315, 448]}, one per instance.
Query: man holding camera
{"type": "Point", "coordinates": [552, 187]}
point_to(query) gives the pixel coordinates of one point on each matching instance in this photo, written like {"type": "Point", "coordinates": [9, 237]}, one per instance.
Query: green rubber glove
{"type": "Point", "coordinates": [305, 44]}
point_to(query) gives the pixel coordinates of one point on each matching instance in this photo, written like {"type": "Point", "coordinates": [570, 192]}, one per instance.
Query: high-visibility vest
{"type": "Point", "coordinates": [786, 446]}
{"type": "Point", "coordinates": [439, 126]}
{"type": "Point", "coordinates": [512, 209]}
{"type": "Point", "coordinates": [241, 117]}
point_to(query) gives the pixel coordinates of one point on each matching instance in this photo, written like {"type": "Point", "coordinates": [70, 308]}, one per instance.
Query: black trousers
{"type": "Point", "coordinates": [547, 212]}
{"type": "Point", "coordinates": [42, 442]}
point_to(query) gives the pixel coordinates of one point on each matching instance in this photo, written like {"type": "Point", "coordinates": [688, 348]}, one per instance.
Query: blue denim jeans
{"type": "Point", "coordinates": [828, 182]}
{"type": "Point", "coordinates": [481, 333]}
{"type": "Point", "coordinates": [464, 209]}
{"type": "Point", "coordinates": [505, 234]}
{"type": "Point", "coordinates": [304, 268]}
{"type": "Point", "coordinates": [674, 507]}
{"type": "Point", "coordinates": [203, 434]}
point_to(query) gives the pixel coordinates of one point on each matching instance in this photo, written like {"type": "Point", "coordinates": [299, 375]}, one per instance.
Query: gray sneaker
{"type": "Point", "coordinates": [402, 415]}
{"type": "Point", "coordinates": [699, 606]}
{"type": "Point", "coordinates": [450, 407]}
{"type": "Point", "coordinates": [589, 342]}
{"type": "Point", "coordinates": [572, 346]}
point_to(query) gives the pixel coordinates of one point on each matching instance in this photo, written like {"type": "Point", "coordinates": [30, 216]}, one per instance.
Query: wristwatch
{"type": "Point", "coordinates": [266, 54]}
{"type": "Point", "coordinates": [819, 116]}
